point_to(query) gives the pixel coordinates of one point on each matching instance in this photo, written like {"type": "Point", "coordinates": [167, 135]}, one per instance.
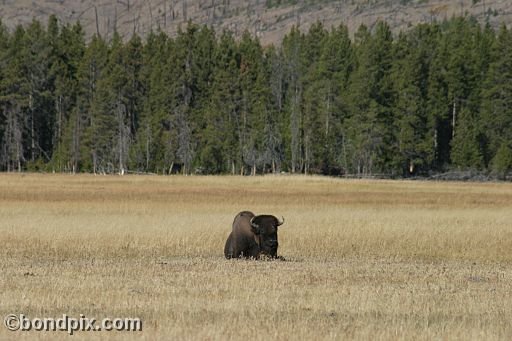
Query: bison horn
{"type": "Point", "coordinates": [279, 223]}
{"type": "Point", "coordinates": [253, 224]}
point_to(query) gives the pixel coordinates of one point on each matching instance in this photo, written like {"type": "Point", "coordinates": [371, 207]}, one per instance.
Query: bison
{"type": "Point", "coordinates": [253, 236]}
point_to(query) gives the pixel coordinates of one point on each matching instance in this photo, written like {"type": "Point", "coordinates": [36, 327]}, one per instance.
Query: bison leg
{"type": "Point", "coordinates": [253, 251]}
{"type": "Point", "coordinates": [228, 248]}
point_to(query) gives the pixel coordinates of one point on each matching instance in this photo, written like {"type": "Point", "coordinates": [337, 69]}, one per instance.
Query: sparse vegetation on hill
{"type": "Point", "coordinates": [271, 20]}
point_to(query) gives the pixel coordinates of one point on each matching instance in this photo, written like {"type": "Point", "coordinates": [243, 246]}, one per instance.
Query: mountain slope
{"type": "Point", "coordinates": [269, 19]}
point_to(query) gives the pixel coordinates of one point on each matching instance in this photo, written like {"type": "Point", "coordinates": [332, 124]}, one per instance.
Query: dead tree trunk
{"type": "Point", "coordinates": [454, 115]}
{"type": "Point", "coordinates": [97, 22]}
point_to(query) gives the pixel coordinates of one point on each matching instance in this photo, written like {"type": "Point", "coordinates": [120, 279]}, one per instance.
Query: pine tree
{"type": "Point", "coordinates": [292, 52]}
{"type": "Point", "coordinates": [40, 109]}
{"type": "Point", "coordinates": [133, 90]}
{"type": "Point", "coordinates": [317, 99]}
{"type": "Point", "coordinates": [497, 95]}
{"type": "Point", "coordinates": [15, 94]}
{"type": "Point", "coordinates": [4, 50]}
{"type": "Point", "coordinates": [370, 98]}
{"type": "Point", "coordinates": [148, 151]}
{"type": "Point", "coordinates": [334, 67]}
{"type": "Point", "coordinates": [184, 92]}
{"type": "Point", "coordinates": [438, 103]}
{"type": "Point", "coordinates": [89, 114]}
{"type": "Point", "coordinates": [255, 106]}
{"type": "Point", "coordinates": [109, 129]}
{"type": "Point", "coordinates": [67, 50]}
{"type": "Point", "coordinates": [410, 73]}
{"type": "Point", "coordinates": [220, 136]}
{"type": "Point", "coordinates": [502, 161]}
{"type": "Point", "coordinates": [275, 120]}
{"type": "Point", "coordinates": [465, 152]}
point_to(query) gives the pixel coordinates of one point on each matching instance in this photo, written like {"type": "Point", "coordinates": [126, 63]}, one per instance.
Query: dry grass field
{"type": "Point", "coordinates": [371, 260]}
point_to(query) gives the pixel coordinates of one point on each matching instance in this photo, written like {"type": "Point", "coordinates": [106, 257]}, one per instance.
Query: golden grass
{"type": "Point", "coordinates": [365, 259]}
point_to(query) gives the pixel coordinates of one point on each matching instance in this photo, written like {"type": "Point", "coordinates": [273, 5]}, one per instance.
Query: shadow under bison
{"type": "Point", "coordinates": [253, 236]}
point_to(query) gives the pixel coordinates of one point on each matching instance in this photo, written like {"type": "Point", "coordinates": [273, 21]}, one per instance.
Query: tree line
{"type": "Point", "coordinates": [435, 98]}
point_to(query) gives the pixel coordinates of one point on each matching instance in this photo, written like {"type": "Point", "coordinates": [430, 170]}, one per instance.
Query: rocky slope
{"type": "Point", "coordinates": [269, 19]}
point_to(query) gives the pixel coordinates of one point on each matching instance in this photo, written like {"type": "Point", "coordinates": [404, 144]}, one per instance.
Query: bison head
{"type": "Point", "coordinates": [265, 227]}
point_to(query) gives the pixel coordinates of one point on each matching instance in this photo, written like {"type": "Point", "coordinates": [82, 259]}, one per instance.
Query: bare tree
{"type": "Point", "coordinates": [97, 22]}
{"type": "Point", "coordinates": [115, 18]}
{"type": "Point", "coordinates": [75, 141]}
{"type": "Point", "coordinates": [12, 143]}
{"type": "Point", "coordinates": [123, 137]}
{"type": "Point", "coordinates": [165, 14]}
{"type": "Point", "coordinates": [184, 10]}
{"type": "Point", "coordinates": [150, 15]}
{"type": "Point", "coordinates": [126, 3]}
{"type": "Point", "coordinates": [185, 146]}
{"type": "Point", "coordinates": [271, 143]}
{"type": "Point", "coordinates": [295, 119]}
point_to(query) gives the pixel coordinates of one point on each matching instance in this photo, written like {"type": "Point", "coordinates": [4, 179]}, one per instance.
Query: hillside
{"type": "Point", "coordinates": [269, 19]}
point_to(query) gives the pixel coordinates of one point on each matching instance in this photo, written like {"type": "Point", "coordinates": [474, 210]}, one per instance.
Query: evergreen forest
{"type": "Point", "coordinates": [433, 99]}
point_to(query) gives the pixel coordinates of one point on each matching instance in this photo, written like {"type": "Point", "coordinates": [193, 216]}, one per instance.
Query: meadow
{"type": "Point", "coordinates": [371, 260]}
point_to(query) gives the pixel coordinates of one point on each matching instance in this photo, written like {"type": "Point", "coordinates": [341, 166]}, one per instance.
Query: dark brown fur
{"type": "Point", "coordinates": [248, 241]}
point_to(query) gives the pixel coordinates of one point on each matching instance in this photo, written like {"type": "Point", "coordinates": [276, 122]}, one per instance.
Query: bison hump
{"type": "Point", "coordinates": [246, 214]}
